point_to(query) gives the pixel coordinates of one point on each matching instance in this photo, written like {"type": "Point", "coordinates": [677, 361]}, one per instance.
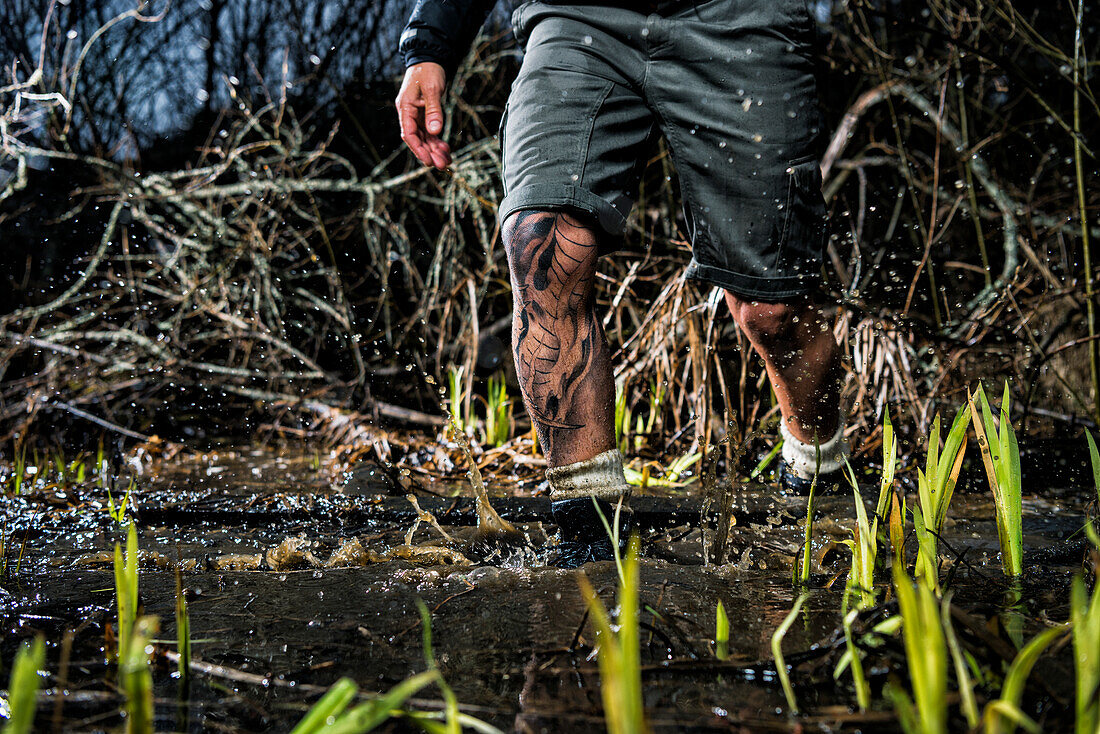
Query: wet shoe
{"type": "Point", "coordinates": [584, 537]}
{"type": "Point", "coordinates": [794, 485]}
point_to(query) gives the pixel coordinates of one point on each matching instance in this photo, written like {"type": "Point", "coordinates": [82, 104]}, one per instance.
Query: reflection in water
{"type": "Point", "coordinates": [295, 583]}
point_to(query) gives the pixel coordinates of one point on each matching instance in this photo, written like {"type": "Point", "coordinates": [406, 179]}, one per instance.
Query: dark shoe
{"type": "Point", "coordinates": [584, 537]}
{"type": "Point", "coordinates": [793, 485]}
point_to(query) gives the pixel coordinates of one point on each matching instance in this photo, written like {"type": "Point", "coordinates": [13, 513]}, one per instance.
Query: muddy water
{"type": "Point", "coordinates": [295, 580]}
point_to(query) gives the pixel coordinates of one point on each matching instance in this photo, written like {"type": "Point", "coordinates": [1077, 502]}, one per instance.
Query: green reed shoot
{"type": "Point", "coordinates": [126, 590]}
{"type": "Point", "coordinates": [457, 399]}
{"type": "Point", "coordinates": [935, 485]}
{"type": "Point", "coordinates": [889, 468]}
{"type": "Point", "coordinates": [656, 401]}
{"type": "Point", "coordinates": [890, 507]}
{"type": "Point", "coordinates": [1094, 459]}
{"type": "Point", "coordinates": [864, 547]}
{"type": "Point", "coordinates": [118, 514]}
{"type": "Point", "coordinates": [721, 633]}
{"type": "Point", "coordinates": [331, 705]}
{"type": "Point", "coordinates": [498, 413]}
{"type": "Point", "coordinates": [764, 463]}
{"type": "Point", "coordinates": [183, 632]}
{"type": "Point", "coordinates": [962, 671]}
{"type": "Point", "coordinates": [969, 703]}
{"type": "Point", "coordinates": [1001, 457]}
{"type": "Point", "coordinates": [450, 701]}
{"type": "Point", "coordinates": [777, 652]}
{"type": "Point", "coordinates": [854, 658]}
{"type": "Point", "coordinates": [800, 573]}
{"type": "Point", "coordinates": [23, 686]}
{"type": "Point", "coordinates": [619, 655]}
{"type": "Point", "coordinates": [926, 655]}
{"type": "Point", "coordinates": [1084, 615]}
{"type": "Point", "coordinates": [101, 464]}
{"type": "Point", "coordinates": [18, 471]}
{"type": "Point", "coordinates": [136, 676]}
{"type": "Point", "coordinates": [866, 535]}
{"type": "Point", "coordinates": [612, 528]}
{"type": "Point", "coordinates": [1004, 715]}
{"type": "Point", "coordinates": [622, 418]}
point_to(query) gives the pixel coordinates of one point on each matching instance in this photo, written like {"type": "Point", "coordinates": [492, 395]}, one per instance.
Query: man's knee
{"type": "Point", "coordinates": [549, 247]}
{"type": "Point", "coordinates": [769, 324]}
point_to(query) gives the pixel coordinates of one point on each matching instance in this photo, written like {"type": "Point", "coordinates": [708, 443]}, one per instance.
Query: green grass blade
{"type": "Point", "coordinates": [333, 703]}
{"type": "Point", "coordinates": [1085, 620]}
{"type": "Point", "coordinates": [962, 673]}
{"type": "Point", "coordinates": [904, 708]}
{"type": "Point", "coordinates": [863, 690]}
{"type": "Point", "coordinates": [933, 459]}
{"type": "Point", "coordinates": [183, 631]}
{"type": "Point", "coordinates": [721, 632]}
{"type": "Point", "coordinates": [23, 686]}
{"type": "Point", "coordinates": [889, 465]}
{"type": "Point", "coordinates": [137, 677]}
{"type": "Point", "coordinates": [368, 716]}
{"type": "Point", "coordinates": [1013, 689]}
{"type": "Point", "coordinates": [777, 652]}
{"type": "Point", "coordinates": [864, 549]}
{"type": "Point", "coordinates": [1000, 713]}
{"type": "Point", "coordinates": [619, 655]}
{"type": "Point", "coordinates": [925, 650]}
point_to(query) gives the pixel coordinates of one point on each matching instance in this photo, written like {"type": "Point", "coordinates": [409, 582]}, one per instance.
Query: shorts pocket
{"type": "Point", "coordinates": [519, 23]}
{"type": "Point", "coordinates": [802, 242]}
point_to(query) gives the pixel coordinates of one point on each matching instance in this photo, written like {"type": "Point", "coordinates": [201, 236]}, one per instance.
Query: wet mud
{"type": "Point", "coordinates": [295, 580]}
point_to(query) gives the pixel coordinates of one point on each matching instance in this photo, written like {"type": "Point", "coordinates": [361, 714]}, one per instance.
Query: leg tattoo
{"type": "Point", "coordinates": [561, 354]}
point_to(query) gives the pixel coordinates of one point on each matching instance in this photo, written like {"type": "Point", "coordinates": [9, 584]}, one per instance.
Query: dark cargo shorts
{"type": "Point", "coordinates": [728, 83]}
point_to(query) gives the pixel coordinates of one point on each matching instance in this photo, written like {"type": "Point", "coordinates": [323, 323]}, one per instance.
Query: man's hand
{"type": "Point", "coordinates": [420, 111]}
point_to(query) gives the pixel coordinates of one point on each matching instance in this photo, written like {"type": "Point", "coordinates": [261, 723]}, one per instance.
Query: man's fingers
{"type": "Point", "coordinates": [433, 111]}
{"type": "Point", "coordinates": [441, 152]}
{"type": "Point", "coordinates": [417, 146]}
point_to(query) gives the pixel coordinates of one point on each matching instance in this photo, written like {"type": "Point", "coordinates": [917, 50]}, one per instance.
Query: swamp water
{"type": "Point", "coordinates": [294, 581]}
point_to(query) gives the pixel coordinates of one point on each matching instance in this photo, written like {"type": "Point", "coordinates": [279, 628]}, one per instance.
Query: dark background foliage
{"type": "Point", "coordinates": [206, 204]}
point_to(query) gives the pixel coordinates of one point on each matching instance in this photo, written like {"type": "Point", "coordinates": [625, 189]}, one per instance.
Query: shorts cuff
{"type": "Point", "coordinates": [550, 197]}
{"type": "Point", "coordinates": [776, 289]}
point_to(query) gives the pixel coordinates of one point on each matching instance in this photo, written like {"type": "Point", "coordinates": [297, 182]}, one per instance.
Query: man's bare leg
{"type": "Point", "coordinates": [564, 369]}
{"type": "Point", "coordinates": [562, 357]}
{"type": "Point", "coordinates": [803, 363]}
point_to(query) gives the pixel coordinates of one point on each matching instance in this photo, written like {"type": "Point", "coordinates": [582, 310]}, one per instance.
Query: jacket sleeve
{"type": "Point", "coordinates": [442, 31]}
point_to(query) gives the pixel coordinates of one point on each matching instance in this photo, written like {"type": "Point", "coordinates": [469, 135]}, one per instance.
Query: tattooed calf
{"type": "Point", "coordinates": [556, 338]}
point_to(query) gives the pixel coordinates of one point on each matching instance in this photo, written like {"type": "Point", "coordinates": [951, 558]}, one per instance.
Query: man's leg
{"type": "Point", "coordinates": [562, 358]}
{"type": "Point", "coordinates": [564, 369]}
{"type": "Point", "coordinates": [803, 363]}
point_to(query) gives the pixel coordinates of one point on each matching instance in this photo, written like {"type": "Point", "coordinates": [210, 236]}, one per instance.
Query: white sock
{"type": "Point", "coordinates": [801, 457]}
{"type": "Point", "coordinates": [601, 476]}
